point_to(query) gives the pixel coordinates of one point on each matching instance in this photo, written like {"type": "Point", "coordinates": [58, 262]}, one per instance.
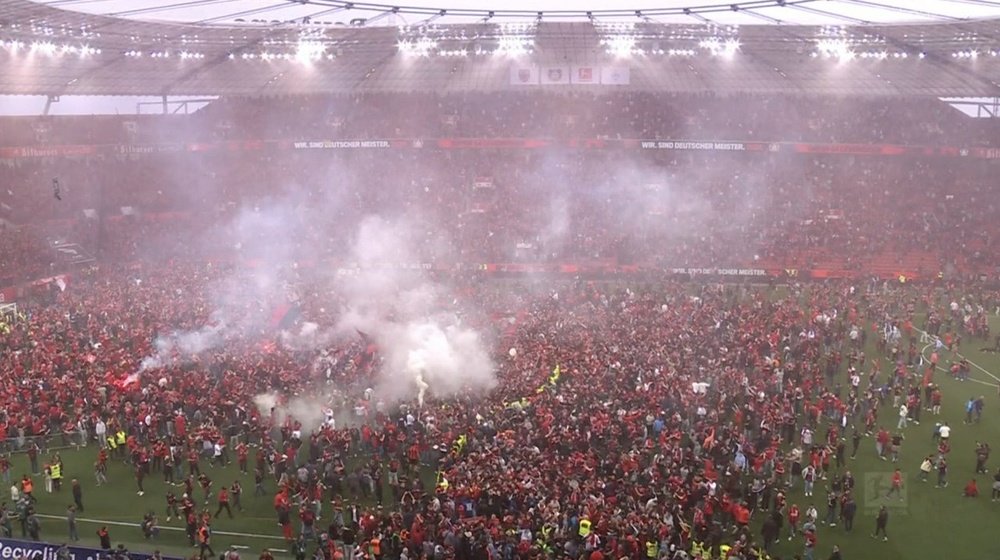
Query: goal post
{"type": "Point", "coordinates": [8, 316]}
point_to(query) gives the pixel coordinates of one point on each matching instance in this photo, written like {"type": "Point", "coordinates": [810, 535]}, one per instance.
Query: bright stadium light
{"type": "Point", "coordinates": [620, 46]}
{"type": "Point", "coordinates": [421, 47]}
{"type": "Point", "coordinates": [720, 47]}
{"type": "Point", "coordinates": [835, 48]}
{"type": "Point", "coordinates": [514, 45]}
{"type": "Point", "coordinates": [309, 51]}
{"type": "Point", "coordinates": [44, 47]}
{"type": "Point", "coordinates": [730, 47]}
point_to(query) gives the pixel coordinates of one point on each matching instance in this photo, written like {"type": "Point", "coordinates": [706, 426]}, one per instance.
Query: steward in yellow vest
{"type": "Point", "coordinates": [584, 531]}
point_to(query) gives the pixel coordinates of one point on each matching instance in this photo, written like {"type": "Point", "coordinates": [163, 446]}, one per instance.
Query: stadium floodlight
{"type": "Point", "coordinates": [730, 47]}
{"type": "Point", "coordinates": [44, 47]}
{"type": "Point", "coordinates": [309, 51]}
{"type": "Point", "coordinates": [514, 39]}
{"type": "Point", "coordinates": [514, 45]}
{"type": "Point", "coordinates": [518, 28]}
{"type": "Point", "coordinates": [620, 46]}
{"type": "Point", "coordinates": [835, 48]}
{"type": "Point", "coordinates": [420, 47]}
{"type": "Point", "coordinates": [720, 47]}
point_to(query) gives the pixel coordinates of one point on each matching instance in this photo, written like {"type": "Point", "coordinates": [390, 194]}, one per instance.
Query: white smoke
{"type": "Point", "coordinates": [427, 345]}
{"type": "Point", "coordinates": [182, 347]}
{"type": "Point", "coordinates": [309, 410]}
{"type": "Point", "coordinates": [241, 300]}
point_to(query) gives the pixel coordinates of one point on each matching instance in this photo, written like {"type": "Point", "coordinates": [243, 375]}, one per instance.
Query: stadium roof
{"type": "Point", "coordinates": [53, 48]}
{"type": "Point", "coordinates": [413, 12]}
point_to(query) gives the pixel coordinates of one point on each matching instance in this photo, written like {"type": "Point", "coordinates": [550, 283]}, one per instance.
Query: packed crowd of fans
{"type": "Point", "coordinates": [638, 423]}
{"type": "Point", "coordinates": [842, 214]}
{"type": "Point", "coordinates": [523, 114]}
{"type": "Point", "coordinates": [675, 210]}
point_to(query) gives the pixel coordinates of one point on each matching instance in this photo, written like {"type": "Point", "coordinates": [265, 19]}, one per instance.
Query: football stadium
{"type": "Point", "coordinates": [477, 280]}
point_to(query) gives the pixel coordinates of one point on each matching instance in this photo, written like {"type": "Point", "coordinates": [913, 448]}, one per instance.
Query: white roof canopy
{"type": "Point", "coordinates": [416, 12]}
{"type": "Point", "coordinates": [934, 48]}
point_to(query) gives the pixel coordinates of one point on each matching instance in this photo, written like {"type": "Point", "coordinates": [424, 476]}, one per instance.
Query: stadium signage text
{"type": "Point", "coordinates": [707, 146]}
{"type": "Point", "coordinates": [10, 548]}
{"type": "Point", "coordinates": [343, 144]}
{"type": "Point", "coordinates": [720, 271]}
{"type": "Point", "coordinates": [49, 151]}
{"type": "Point", "coordinates": [682, 145]}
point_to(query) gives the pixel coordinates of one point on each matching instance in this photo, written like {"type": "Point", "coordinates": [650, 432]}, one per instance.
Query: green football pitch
{"type": "Point", "coordinates": [927, 523]}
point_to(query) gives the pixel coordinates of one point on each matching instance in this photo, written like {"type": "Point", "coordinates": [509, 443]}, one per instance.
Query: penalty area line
{"type": "Point", "coordinates": [941, 369]}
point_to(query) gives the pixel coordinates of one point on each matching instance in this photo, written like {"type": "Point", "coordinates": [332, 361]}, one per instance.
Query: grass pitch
{"type": "Point", "coordinates": [927, 523]}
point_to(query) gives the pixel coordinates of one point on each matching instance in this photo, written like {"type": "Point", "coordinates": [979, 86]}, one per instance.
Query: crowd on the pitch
{"type": "Point", "coordinates": [651, 422]}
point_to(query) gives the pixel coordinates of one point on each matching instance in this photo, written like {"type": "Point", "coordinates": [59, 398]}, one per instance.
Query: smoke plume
{"type": "Point", "coordinates": [426, 343]}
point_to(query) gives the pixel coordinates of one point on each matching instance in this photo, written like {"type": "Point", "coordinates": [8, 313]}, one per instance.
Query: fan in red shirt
{"type": "Point", "coordinates": [224, 502]}
{"type": "Point", "coordinates": [793, 521]}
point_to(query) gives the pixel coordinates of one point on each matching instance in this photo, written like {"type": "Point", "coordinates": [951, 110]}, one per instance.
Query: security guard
{"type": "Point", "coordinates": [120, 441]}
{"type": "Point", "coordinates": [55, 472]}
{"type": "Point", "coordinates": [584, 531]}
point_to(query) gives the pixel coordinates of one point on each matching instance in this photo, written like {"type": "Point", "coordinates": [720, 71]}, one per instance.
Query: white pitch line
{"type": "Point", "coordinates": [972, 379]}
{"type": "Point", "coordinates": [162, 527]}
{"type": "Point", "coordinates": [939, 368]}
{"type": "Point", "coordinates": [979, 367]}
